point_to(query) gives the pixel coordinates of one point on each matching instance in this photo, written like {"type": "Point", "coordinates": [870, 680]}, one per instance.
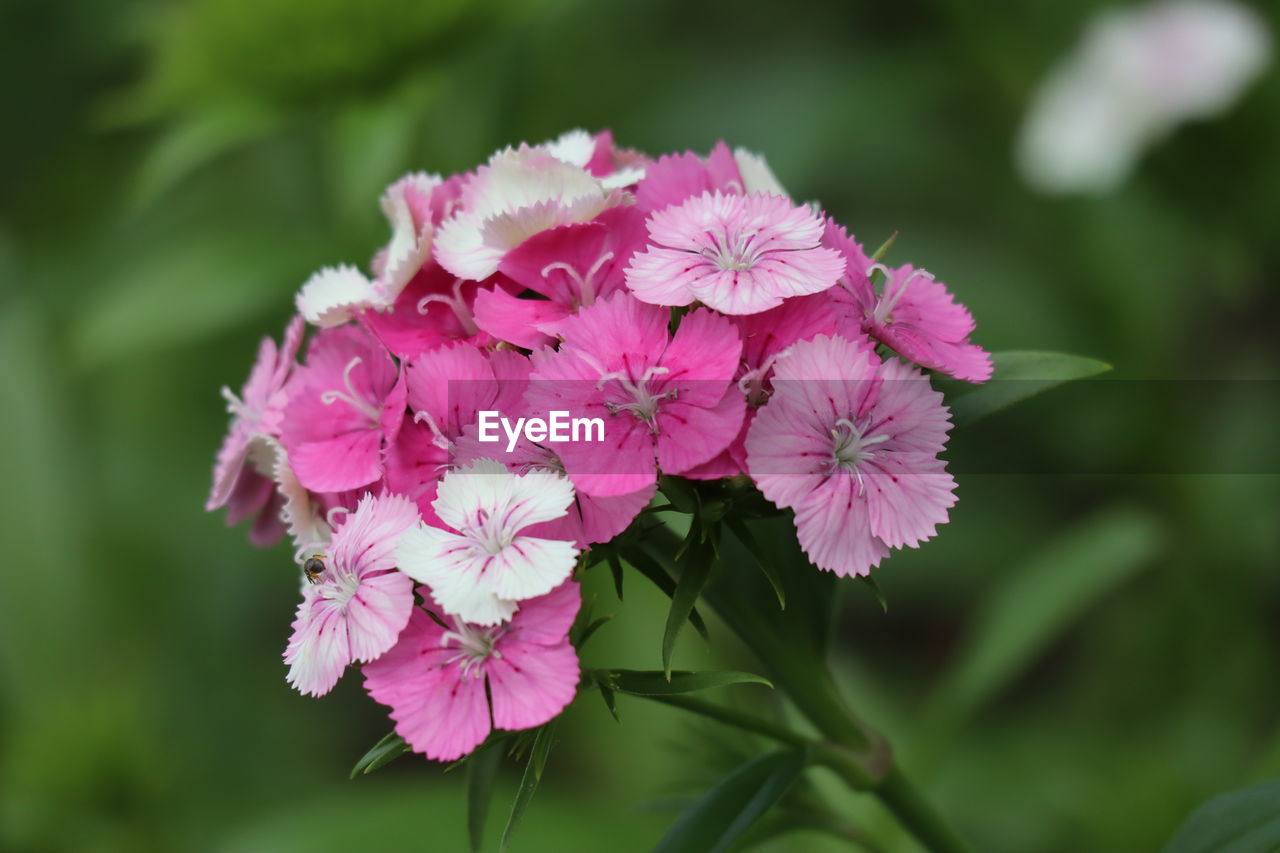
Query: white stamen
{"type": "Point", "coordinates": [350, 397]}
{"type": "Point", "coordinates": [586, 284]}
{"type": "Point", "coordinates": [456, 303]}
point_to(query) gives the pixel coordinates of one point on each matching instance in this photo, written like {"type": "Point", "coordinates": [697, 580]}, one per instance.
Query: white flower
{"type": "Point", "coordinates": [481, 572]}
{"type": "Point", "coordinates": [1136, 75]}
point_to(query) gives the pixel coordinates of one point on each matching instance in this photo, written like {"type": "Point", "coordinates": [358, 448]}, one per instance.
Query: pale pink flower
{"type": "Point", "coordinates": [449, 687]}
{"type": "Point", "coordinates": [666, 402]}
{"type": "Point", "coordinates": [486, 564]}
{"type": "Point", "coordinates": [356, 607]}
{"type": "Point", "coordinates": [242, 474]}
{"type": "Point", "coordinates": [913, 314]}
{"type": "Point", "coordinates": [347, 408]}
{"type": "Point", "coordinates": [518, 194]}
{"type": "Point", "coordinates": [851, 444]}
{"type": "Point", "coordinates": [616, 168]}
{"type": "Point", "coordinates": [736, 254]}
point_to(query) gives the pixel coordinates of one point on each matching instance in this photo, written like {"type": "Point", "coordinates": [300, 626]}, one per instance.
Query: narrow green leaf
{"type": "Point", "coordinates": [1019, 375]}
{"type": "Point", "coordinates": [610, 701]}
{"type": "Point", "coordinates": [591, 629]}
{"type": "Point", "coordinates": [648, 566]}
{"type": "Point", "coordinates": [770, 570]}
{"type": "Point", "coordinates": [482, 770]}
{"type": "Point", "coordinates": [879, 253]}
{"type": "Point", "coordinates": [615, 566]}
{"type": "Point", "coordinates": [1033, 604]}
{"type": "Point", "coordinates": [871, 584]}
{"type": "Point", "coordinates": [695, 569]}
{"type": "Point", "coordinates": [529, 781]}
{"type": "Point", "coordinates": [680, 493]}
{"type": "Point", "coordinates": [391, 747]}
{"type": "Point", "coordinates": [655, 683]}
{"type": "Point", "coordinates": [726, 811]}
{"type": "Point", "coordinates": [1244, 821]}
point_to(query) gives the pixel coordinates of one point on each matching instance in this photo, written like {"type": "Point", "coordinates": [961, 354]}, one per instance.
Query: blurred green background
{"type": "Point", "coordinates": [1072, 665]}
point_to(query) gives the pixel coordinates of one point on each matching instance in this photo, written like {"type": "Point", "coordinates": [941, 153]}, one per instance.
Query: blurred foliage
{"type": "Point", "coordinates": [1076, 662]}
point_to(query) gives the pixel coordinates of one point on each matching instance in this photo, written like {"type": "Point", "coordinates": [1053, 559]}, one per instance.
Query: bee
{"type": "Point", "coordinates": [313, 568]}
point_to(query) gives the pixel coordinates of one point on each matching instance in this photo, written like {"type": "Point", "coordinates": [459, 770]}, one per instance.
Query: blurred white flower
{"type": "Point", "coordinates": [1137, 73]}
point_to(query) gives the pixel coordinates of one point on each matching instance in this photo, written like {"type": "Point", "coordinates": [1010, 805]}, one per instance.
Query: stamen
{"type": "Point", "coordinates": [456, 303]}
{"type": "Point", "coordinates": [235, 405]}
{"type": "Point", "coordinates": [889, 298]}
{"type": "Point", "coordinates": [475, 646]}
{"type": "Point", "coordinates": [437, 435]}
{"type": "Point", "coordinates": [586, 284]}
{"type": "Point", "coordinates": [350, 397]}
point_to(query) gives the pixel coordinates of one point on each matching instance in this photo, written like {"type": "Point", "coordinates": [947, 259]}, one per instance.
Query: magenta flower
{"type": "Point", "coordinates": [851, 444]}
{"type": "Point", "coordinates": [448, 688]}
{"type": "Point", "coordinates": [356, 607]}
{"type": "Point", "coordinates": [571, 265]}
{"type": "Point", "coordinates": [736, 254]}
{"type": "Point", "coordinates": [666, 402]}
{"type": "Point", "coordinates": [486, 563]}
{"type": "Point", "coordinates": [348, 407]}
{"type": "Point", "coordinates": [913, 314]}
{"type": "Point", "coordinates": [242, 474]}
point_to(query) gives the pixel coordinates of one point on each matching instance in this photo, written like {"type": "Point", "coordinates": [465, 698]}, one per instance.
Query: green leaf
{"type": "Point", "coordinates": [385, 751]}
{"type": "Point", "coordinates": [649, 567]}
{"type": "Point", "coordinates": [591, 629]}
{"type": "Point", "coordinates": [615, 567]}
{"type": "Point", "coordinates": [1244, 821]}
{"type": "Point", "coordinates": [681, 493]}
{"type": "Point", "coordinates": [695, 569]}
{"type": "Point", "coordinates": [482, 770]}
{"type": "Point", "coordinates": [871, 584]}
{"type": "Point", "coordinates": [878, 255]}
{"type": "Point", "coordinates": [1019, 375]}
{"type": "Point", "coordinates": [1036, 602]}
{"type": "Point", "coordinates": [737, 801]}
{"type": "Point", "coordinates": [656, 683]}
{"type": "Point", "coordinates": [529, 781]}
{"type": "Point", "coordinates": [753, 548]}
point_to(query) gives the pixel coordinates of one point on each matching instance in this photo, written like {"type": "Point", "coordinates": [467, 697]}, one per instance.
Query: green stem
{"type": "Point", "coordinates": [914, 812]}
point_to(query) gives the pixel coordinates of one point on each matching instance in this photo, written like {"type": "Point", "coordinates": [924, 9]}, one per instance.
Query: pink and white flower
{"type": "Point", "coordinates": [334, 295]}
{"type": "Point", "coordinates": [486, 564]}
{"type": "Point", "coordinates": [666, 402]}
{"type": "Point", "coordinates": [357, 606]}
{"type": "Point", "coordinates": [677, 177]}
{"type": "Point", "coordinates": [736, 254]}
{"type": "Point", "coordinates": [851, 444]}
{"type": "Point", "coordinates": [449, 687]}
{"type": "Point", "coordinates": [913, 314]}
{"type": "Point", "coordinates": [348, 407]}
{"type": "Point", "coordinates": [520, 193]}
{"type": "Point", "coordinates": [243, 470]}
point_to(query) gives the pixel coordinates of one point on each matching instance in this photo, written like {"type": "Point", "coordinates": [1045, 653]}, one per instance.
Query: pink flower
{"type": "Point", "coordinates": [348, 407]}
{"type": "Point", "coordinates": [616, 168]}
{"type": "Point", "coordinates": [486, 564]}
{"type": "Point", "coordinates": [571, 265]}
{"type": "Point", "coordinates": [447, 689]}
{"type": "Point", "coordinates": [435, 308]}
{"type": "Point", "coordinates": [518, 194]}
{"type": "Point", "coordinates": [242, 474]}
{"type": "Point", "coordinates": [666, 402]}
{"type": "Point", "coordinates": [736, 254]}
{"type": "Point", "coordinates": [677, 177]}
{"type": "Point", "coordinates": [356, 607]}
{"type": "Point", "coordinates": [913, 314]}
{"type": "Point", "coordinates": [851, 444]}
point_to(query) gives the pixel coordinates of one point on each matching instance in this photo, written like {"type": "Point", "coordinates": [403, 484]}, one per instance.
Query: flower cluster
{"type": "Point", "coordinates": [706, 324]}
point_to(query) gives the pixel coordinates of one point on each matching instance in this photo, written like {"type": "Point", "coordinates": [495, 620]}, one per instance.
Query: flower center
{"type": "Point", "coordinates": [350, 396]}
{"type": "Point", "coordinates": [456, 304]}
{"type": "Point", "coordinates": [644, 401]}
{"type": "Point", "coordinates": [337, 585]}
{"type": "Point", "coordinates": [850, 447]}
{"type": "Point", "coordinates": [475, 645]}
{"type": "Point", "coordinates": [734, 251]}
{"type": "Point", "coordinates": [891, 293]}
{"type": "Point", "coordinates": [489, 531]}
{"type": "Point", "coordinates": [586, 283]}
